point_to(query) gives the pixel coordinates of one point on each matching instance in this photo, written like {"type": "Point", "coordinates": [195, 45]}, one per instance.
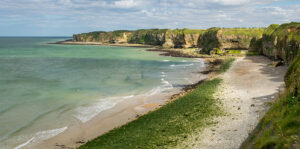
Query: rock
{"type": "Point", "coordinates": [80, 142]}
{"type": "Point", "coordinates": [278, 63]}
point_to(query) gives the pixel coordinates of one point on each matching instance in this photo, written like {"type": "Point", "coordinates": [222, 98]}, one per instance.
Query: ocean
{"type": "Point", "coordinates": [46, 88]}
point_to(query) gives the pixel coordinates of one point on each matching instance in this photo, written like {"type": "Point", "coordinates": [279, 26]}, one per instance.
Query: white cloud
{"type": "Point", "coordinates": [125, 3]}
{"type": "Point", "coordinates": [231, 2]}
{"type": "Point", "coordinates": [89, 15]}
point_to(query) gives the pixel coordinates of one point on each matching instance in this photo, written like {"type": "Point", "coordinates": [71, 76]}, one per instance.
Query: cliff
{"type": "Point", "coordinates": [277, 41]}
{"type": "Point", "coordinates": [279, 128]}
{"type": "Point", "coordinates": [235, 38]}
{"type": "Point", "coordinates": [281, 41]}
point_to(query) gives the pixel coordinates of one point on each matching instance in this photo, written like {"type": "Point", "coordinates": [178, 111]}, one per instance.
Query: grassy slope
{"type": "Point", "coordinates": [280, 128]}
{"type": "Point", "coordinates": [168, 125]}
{"type": "Point", "coordinates": [282, 39]}
{"type": "Point", "coordinates": [252, 32]}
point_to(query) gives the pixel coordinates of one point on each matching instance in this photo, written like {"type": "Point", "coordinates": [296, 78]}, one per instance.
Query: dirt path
{"type": "Point", "coordinates": [246, 89]}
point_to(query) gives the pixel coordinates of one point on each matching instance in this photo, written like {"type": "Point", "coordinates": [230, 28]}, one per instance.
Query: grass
{"type": "Point", "coordinates": [234, 51]}
{"type": "Point", "coordinates": [280, 127]}
{"type": "Point", "coordinates": [188, 31]}
{"type": "Point", "coordinates": [252, 53]}
{"type": "Point", "coordinates": [169, 125]}
{"type": "Point", "coordinates": [226, 65]}
{"type": "Point", "coordinates": [252, 32]}
{"type": "Point", "coordinates": [284, 38]}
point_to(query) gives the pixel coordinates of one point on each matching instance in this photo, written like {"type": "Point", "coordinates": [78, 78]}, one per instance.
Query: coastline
{"type": "Point", "coordinates": [121, 114]}
{"type": "Point", "coordinates": [103, 44]}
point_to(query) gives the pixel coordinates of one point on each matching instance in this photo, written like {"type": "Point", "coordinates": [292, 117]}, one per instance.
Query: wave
{"type": "Point", "coordinates": [42, 135]}
{"type": "Point", "coordinates": [163, 74]}
{"type": "Point", "coordinates": [7, 108]}
{"type": "Point", "coordinates": [189, 81]}
{"type": "Point", "coordinates": [165, 86]}
{"type": "Point", "coordinates": [182, 65]}
{"type": "Point", "coordinates": [126, 97]}
{"type": "Point", "coordinates": [29, 123]}
{"type": "Point", "coordinates": [26, 143]}
{"type": "Point", "coordinates": [86, 113]}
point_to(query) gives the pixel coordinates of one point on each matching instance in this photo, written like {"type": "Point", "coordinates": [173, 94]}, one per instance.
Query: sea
{"type": "Point", "coordinates": [46, 88]}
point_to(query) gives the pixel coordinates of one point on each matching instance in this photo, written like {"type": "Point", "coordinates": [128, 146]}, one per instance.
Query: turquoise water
{"type": "Point", "coordinates": [45, 88]}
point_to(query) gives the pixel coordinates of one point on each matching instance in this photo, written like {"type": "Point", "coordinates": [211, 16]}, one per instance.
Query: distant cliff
{"type": "Point", "coordinates": [235, 38]}
{"type": "Point", "coordinates": [277, 41]}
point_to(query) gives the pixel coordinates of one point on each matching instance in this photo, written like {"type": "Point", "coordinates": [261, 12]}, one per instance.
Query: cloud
{"type": "Point", "coordinates": [125, 4]}
{"type": "Point", "coordinates": [231, 2]}
{"type": "Point", "coordinates": [65, 17]}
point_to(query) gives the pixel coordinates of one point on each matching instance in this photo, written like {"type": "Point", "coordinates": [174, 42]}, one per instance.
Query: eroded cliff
{"type": "Point", "coordinates": [236, 38]}
{"type": "Point", "coordinates": [281, 41]}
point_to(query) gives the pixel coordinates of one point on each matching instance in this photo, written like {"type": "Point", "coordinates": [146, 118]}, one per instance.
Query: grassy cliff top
{"type": "Point", "coordinates": [226, 31]}
{"type": "Point", "coordinates": [253, 32]}
{"type": "Point", "coordinates": [289, 30]}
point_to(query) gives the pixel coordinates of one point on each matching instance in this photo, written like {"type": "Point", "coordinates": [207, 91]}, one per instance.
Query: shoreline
{"type": "Point", "coordinates": [103, 44]}
{"type": "Point", "coordinates": [121, 114]}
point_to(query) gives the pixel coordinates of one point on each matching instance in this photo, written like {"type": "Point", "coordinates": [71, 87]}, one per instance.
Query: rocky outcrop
{"type": "Point", "coordinates": [103, 37]}
{"type": "Point", "coordinates": [281, 41]}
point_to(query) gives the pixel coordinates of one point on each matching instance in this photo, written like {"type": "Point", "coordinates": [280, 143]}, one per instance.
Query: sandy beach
{"type": "Point", "coordinates": [247, 89]}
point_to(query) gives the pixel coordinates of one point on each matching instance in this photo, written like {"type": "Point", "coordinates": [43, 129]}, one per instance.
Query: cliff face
{"type": "Point", "coordinates": [277, 41]}
{"type": "Point", "coordinates": [281, 41]}
{"type": "Point", "coordinates": [236, 38]}
{"type": "Point", "coordinates": [103, 37]}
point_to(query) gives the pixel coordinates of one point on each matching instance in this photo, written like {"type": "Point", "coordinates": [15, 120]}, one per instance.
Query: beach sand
{"type": "Point", "coordinates": [247, 88]}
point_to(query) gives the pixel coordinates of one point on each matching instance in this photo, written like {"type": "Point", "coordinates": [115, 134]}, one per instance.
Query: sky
{"type": "Point", "coordinates": [68, 17]}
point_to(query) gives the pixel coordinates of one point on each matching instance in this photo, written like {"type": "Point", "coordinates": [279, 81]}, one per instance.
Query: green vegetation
{"type": "Point", "coordinates": [252, 53]}
{"type": "Point", "coordinates": [280, 128]}
{"type": "Point", "coordinates": [281, 41]}
{"type": "Point", "coordinates": [226, 65]}
{"type": "Point", "coordinates": [252, 32]}
{"type": "Point", "coordinates": [170, 124]}
{"type": "Point", "coordinates": [234, 51]}
{"type": "Point", "coordinates": [119, 33]}
{"type": "Point", "coordinates": [218, 51]}
{"type": "Point", "coordinates": [290, 30]}
{"type": "Point", "coordinates": [188, 31]}
{"type": "Point", "coordinates": [271, 29]}
{"type": "Point", "coordinates": [166, 126]}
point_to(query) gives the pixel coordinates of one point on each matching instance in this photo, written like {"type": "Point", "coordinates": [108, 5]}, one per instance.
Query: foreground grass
{"type": "Point", "coordinates": [226, 65]}
{"type": "Point", "coordinates": [280, 127]}
{"type": "Point", "coordinates": [169, 125]}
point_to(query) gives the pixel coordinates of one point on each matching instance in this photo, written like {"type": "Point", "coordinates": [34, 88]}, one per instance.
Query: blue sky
{"type": "Point", "coordinates": [66, 17]}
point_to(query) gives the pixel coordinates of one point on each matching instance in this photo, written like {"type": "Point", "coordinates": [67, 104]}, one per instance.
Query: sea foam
{"type": "Point", "coordinates": [42, 135]}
